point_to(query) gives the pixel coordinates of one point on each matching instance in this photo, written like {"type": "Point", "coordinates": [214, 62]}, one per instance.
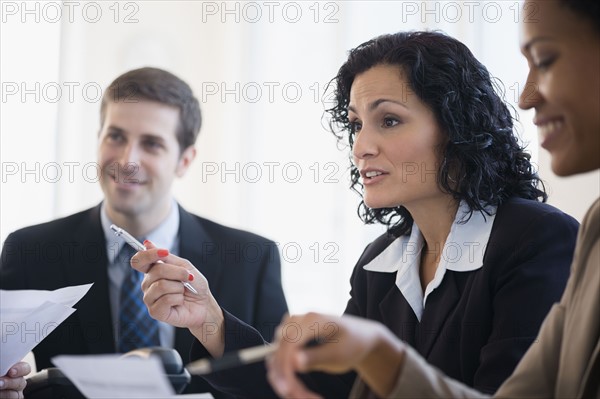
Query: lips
{"type": "Point", "coordinates": [127, 181]}
{"type": "Point", "coordinates": [549, 129]}
{"type": "Point", "coordinates": [372, 175]}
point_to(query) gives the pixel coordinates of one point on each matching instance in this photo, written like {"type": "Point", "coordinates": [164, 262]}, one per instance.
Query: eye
{"type": "Point", "coordinates": [545, 64]}
{"type": "Point", "coordinates": [152, 145]}
{"type": "Point", "coordinates": [390, 122]}
{"type": "Point", "coordinates": [115, 136]}
{"type": "Point", "coordinates": [355, 127]}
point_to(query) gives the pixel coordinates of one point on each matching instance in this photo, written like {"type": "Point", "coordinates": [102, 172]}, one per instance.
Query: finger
{"type": "Point", "coordinates": [283, 365]}
{"type": "Point", "coordinates": [162, 288]}
{"type": "Point", "coordinates": [149, 244]}
{"type": "Point", "coordinates": [289, 387]}
{"type": "Point", "coordinates": [165, 271]}
{"type": "Point", "coordinates": [145, 260]}
{"type": "Point", "coordinates": [10, 394]}
{"type": "Point", "coordinates": [163, 308]}
{"type": "Point", "coordinates": [12, 384]}
{"type": "Point", "coordinates": [20, 369]}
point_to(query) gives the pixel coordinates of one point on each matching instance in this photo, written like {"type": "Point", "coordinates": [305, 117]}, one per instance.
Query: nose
{"type": "Point", "coordinates": [130, 155]}
{"type": "Point", "coordinates": [530, 96]}
{"type": "Point", "coordinates": [365, 145]}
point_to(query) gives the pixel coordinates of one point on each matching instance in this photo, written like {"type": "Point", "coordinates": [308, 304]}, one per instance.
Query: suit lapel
{"type": "Point", "coordinates": [397, 314]}
{"type": "Point", "coordinates": [438, 307]}
{"type": "Point", "coordinates": [591, 385]}
{"type": "Point", "coordinates": [197, 246]}
{"type": "Point", "coordinates": [86, 264]}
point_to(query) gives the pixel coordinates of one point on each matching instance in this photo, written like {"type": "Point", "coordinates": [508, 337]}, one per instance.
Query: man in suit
{"type": "Point", "coordinates": [149, 123]}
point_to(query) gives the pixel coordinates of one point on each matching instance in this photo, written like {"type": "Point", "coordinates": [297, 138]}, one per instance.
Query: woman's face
{"type": "Point", "coordinates": [397, 140]}
{"type": "Point", "coordinates": [563, 85]}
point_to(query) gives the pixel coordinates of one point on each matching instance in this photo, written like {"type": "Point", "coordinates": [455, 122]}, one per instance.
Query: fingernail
{"type": "Point", "coordinates": [1, 383]}
{"type": "Point", "coordinates": [146, 242]}
{"type": "Point", "coordinates": [190, 277]}
{"type": "Point", "coordinates": [163, 252]}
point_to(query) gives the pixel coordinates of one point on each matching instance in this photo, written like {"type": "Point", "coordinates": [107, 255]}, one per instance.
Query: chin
{"type": "Point", "coordinates": [563, 167]}
{"type": "Point", "coordinates": [379, 204]}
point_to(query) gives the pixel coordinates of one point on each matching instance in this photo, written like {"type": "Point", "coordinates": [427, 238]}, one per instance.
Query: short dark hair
{"type": "Point", "coordinates": [153, 84]}
{"type": "Point", "coordinates": [482, 162]}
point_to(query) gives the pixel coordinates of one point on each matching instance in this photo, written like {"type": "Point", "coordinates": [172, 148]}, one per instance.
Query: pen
{"type": "Point", "coordinates": [138, 246]}
{"type": "Point", "coordinates": [239, 358]}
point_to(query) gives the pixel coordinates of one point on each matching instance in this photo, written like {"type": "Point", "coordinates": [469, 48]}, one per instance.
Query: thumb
{"type": "Point", "coordinates": [149, 244]}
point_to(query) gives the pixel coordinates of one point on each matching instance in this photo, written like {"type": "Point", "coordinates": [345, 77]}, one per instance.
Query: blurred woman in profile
{"type": "Point", "coordinates": [562, 46]}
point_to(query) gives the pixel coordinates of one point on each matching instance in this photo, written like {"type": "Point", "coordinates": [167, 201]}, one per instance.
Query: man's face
{"type": "Point", "coordinates": [139, 157]}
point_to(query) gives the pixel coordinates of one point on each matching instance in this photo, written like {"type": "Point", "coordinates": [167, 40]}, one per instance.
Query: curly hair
{"type": "Point", "coordinates": [482, 163]}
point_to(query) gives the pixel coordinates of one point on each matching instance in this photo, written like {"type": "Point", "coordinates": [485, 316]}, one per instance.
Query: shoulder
{"type": "Point", "coordinates": [590, 227]}
{"type": "Point", "coordinates": [57, 228]}
{"type": "Point", "coordinates": [376, 247]}
{"type": "Point", "coordinates": [518, 216]}
{"type": "Point", "coordinates": [529, 210]}
{"type": "Point", "coordinates": [588, 240]}
{"type": "Point", "coordinates": [532, 233]}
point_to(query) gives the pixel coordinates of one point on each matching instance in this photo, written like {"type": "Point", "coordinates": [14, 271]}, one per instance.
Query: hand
{"type": "Point", "coordinates": [13, 383]}
{"type": "Point", "coordinates": [345, 343]}
{"type": "Point", "coordinates": [168, 300]}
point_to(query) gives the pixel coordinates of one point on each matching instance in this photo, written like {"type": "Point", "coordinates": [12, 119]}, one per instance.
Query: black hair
{"type": "Point", "coordinates": [482, 163]}
{"type": "Point", "coordinates": [586, 9]}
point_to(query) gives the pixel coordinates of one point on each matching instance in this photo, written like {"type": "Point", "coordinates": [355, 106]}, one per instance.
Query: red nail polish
{"type": "Point", "coordinates": [146, 242]}
{"type": "Point", "coordinates": [162, 252]}
{"type": "Point", "coordinates": [190, 277]}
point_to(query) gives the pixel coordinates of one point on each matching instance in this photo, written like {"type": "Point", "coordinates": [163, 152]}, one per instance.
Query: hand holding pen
{"type": "Point", "coordinates": [138, 246]}
{"type": "Point", "coordinates": [168, 301]}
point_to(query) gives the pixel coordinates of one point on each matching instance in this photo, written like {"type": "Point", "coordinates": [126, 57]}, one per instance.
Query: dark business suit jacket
{"type": "Point", "coordinates": [242, 269]}
{"type": "Point", "coordinates": [476, 325]}
{"type": "Point", "coordinates": [563, 360]}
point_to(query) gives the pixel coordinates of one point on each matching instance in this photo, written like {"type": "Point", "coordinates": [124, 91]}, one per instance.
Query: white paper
{"type": "Point", "coordinates": [111, 376]}
{"type": "Point", "coordinates": [28, 316]}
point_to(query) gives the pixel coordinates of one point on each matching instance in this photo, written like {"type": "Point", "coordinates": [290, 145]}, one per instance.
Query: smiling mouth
{"type": "Point", "coordinates": [371, 174]}
{"type": "Point", "coordinates": [549, 131]}
{"type": "Point", "coordinates": [127, 180]}
{"type": "Point", "coordinates": [551, 127]}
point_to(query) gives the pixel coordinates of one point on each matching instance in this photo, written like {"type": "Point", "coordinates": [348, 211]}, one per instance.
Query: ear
{"type": "Point", "coordinates": [185, 160]}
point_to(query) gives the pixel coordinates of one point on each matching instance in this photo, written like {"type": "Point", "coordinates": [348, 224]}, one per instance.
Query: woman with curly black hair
{"type": "Point", "coordinates": [473, 258]}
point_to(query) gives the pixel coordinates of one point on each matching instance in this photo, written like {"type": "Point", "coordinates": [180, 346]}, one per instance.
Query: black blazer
{"type": "Point", "coordinates": [243, 271]}
{"type": "Point", "coordinates": [476, 326]}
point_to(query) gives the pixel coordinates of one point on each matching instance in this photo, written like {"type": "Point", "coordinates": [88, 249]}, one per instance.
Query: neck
{"type": "Point", "coordinates": [138, 225]}
{"type": "Point", "coordinates": [434, 218]}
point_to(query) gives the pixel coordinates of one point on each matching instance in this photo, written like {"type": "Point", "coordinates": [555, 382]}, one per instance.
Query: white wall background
{"type": "Point", "coordinates": [265, 163]}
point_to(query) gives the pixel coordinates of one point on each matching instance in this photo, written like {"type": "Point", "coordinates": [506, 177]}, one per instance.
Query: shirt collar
{"type": "Point", "coordinates": [463, 251]}
{"type": "Point", "coordinates": [163, 236]}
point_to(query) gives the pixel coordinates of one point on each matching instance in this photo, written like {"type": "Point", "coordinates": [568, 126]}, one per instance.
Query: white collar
{"type": "Point", "coordinates": [164, 236]}
{"type": "Point", "coordinates": [463, 252]}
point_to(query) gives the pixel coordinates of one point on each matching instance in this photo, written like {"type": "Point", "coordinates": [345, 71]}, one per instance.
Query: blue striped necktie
{"type": "Point", "coordinates": [136, 328]}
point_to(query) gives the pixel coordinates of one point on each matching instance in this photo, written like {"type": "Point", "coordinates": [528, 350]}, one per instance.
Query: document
{"type": "Point", "coordinates": [111, 376]}
{"type": "Point", "coordinates": [29, 316]}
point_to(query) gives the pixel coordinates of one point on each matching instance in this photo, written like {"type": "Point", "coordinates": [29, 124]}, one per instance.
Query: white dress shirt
{"type": "Point", "coordinates": [463, 252]}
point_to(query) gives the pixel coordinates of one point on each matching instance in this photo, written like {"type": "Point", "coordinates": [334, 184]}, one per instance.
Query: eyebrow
{"type": "Point", "coordinates": [143, 135]}
{"type": "Point", "coordinates": [533, 41]}
{"type": "Point", "coordinates": [377, 103]}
